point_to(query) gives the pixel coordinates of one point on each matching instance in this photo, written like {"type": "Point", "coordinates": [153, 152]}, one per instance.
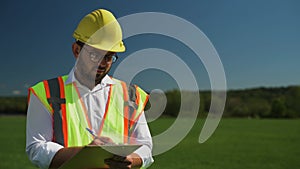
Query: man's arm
{"type": "Point", "coordinates": [143, 137]}
{"type": "Point", "coordinates": [63, 155]}
{"type": "Point", "coordinates": [142, 157]}
{"type": "Point", "coordinates": [39, 132]}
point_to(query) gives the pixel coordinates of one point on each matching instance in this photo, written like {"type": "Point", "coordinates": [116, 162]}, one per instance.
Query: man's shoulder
{"type": "Point", "coordinates": [49, 79]}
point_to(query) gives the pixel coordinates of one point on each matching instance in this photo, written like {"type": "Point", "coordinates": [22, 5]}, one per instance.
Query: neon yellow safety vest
{"type": "Point", "coordinates": [124, 106]}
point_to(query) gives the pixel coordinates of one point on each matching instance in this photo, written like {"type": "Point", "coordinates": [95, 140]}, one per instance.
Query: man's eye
{"type": "Point", "coordinates": [108, 56]}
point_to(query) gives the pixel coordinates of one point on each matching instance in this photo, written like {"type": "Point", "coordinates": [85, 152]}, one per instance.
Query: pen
{"type": "Point", "coordinates": [91, 132]}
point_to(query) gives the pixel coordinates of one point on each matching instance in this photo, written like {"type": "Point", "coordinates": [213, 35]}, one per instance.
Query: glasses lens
{"type": "Point", "coordinates": [94, 57]}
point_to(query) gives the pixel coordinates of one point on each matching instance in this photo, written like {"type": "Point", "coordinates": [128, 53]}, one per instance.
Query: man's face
{"type": "Point", "coordinates": [93, 64]}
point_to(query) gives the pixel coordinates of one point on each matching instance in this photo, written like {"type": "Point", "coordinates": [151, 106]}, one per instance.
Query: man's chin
{"type": "Point", "coordinates": [99, 77]}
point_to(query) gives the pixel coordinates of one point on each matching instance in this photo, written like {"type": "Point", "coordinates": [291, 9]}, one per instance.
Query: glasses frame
{"type": "Point", "coordinates": [95, 57]}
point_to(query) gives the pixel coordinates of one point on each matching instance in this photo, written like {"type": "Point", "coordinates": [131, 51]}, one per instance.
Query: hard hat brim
{"type": "Point", "coordinates": [120, 47]}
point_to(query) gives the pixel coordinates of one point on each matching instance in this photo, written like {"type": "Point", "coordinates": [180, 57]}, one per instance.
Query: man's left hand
{"type": "Point", "coordinates": [129, 162]}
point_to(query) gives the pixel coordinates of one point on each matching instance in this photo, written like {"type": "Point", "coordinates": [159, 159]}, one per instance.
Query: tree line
{"type": "Point", "coordinates": [279, 102]}
{"type": "Point", "coordinates": [13, 105]}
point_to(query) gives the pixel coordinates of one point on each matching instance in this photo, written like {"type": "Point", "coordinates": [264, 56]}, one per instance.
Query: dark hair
{"type": "Point", "coordinates": [81, 44]}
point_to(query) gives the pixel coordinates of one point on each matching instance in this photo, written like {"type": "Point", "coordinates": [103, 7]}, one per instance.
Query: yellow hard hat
{"type": "Point", "coordinates": [101, 30]}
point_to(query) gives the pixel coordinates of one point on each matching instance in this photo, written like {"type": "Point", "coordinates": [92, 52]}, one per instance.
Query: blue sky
{"type": "Point", "coordinates": [257, 41]}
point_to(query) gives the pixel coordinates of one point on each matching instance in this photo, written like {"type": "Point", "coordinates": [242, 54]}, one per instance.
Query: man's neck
{"type": "Point", "coordinates": [89, 83]}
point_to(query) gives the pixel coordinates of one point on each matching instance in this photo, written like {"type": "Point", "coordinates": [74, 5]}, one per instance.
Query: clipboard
{"type": "Point", "coordinates": [92, 156]}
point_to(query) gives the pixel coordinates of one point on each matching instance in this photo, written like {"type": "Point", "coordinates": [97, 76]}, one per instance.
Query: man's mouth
{"type": "Point", "coordinates": [100, 70]}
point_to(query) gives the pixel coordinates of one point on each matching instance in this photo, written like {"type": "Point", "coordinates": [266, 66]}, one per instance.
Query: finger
{"type": "Point", "coordinates": [118, 167]}
{"type": "Point", "coordinates": [102, 141]}
{"type": "Point", "coordinates": [117, 164]}
{"type": "Point", "coordinates": [106, 140]}
{"type": "Point", "coordinates": [110, 161]}
{"type": "Point", "coordinates": [119, 158]}
{"type": "Point", "coordinates": [97, 142]}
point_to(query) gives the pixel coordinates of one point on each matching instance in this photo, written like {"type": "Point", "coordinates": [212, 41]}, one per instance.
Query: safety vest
{"type": "Point", "coordinates": [124, 106]}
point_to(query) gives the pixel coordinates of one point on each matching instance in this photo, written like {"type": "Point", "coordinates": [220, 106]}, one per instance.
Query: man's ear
{"type": "Point", "coordinates": [76, 50]}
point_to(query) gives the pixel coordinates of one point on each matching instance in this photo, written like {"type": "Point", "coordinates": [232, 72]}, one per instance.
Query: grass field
{"type": "Point", "coordinates": [236, 144]}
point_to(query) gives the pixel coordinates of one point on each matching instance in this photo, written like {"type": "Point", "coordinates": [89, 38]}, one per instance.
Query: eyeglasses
{"type": "Point", "coordinates": [96, 57]}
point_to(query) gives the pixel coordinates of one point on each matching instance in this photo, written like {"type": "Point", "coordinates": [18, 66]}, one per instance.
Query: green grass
{"type": "Point", "coordinates": [236, 144]}
{"type": "Point", "coordinates": [12, 143]}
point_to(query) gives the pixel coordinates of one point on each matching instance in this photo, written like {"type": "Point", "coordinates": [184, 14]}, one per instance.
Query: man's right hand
{"type": "Point", "coordinates": [102, 141]}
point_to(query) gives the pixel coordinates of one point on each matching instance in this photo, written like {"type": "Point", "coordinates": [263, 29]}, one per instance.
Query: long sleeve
{"type": "Point", "coordinates": [39, 146]}
{"type": "Point", "coordinates": [143, 137]}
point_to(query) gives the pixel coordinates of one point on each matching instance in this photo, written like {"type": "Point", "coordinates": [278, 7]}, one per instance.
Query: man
{"type": "Point", "coordinates": [61, 111]}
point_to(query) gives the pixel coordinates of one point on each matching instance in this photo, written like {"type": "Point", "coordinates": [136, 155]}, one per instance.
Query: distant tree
{"type": "Point", "coordinates": [202, 109]}
{"type": "Point", "coordinates": [281, 102]}
{"type": "Point", "coordinates": [293, 101]}
{"type": "Point", "coordinates": [13, 105]}
{"type": "Point", "coordinates": [278, 108]}
{"type": "Point", "coordinates": [259, 107]}
{"type": "Point", "coordinates": [173, 103]}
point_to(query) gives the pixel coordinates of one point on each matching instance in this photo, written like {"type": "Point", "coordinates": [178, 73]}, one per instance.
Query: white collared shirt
{"type": "Point", "coordinates": [39, 131]}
